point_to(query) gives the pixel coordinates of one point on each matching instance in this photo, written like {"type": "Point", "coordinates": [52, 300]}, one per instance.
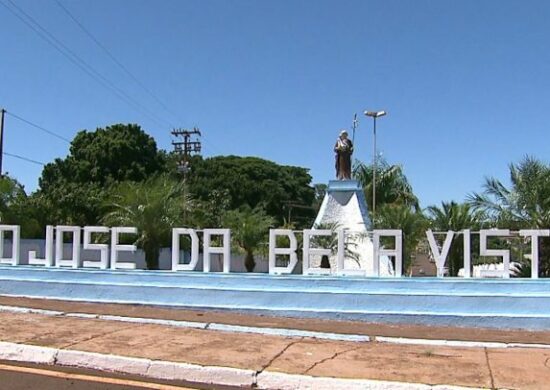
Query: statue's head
{"type": "Point", "coordinates": [343, 134]}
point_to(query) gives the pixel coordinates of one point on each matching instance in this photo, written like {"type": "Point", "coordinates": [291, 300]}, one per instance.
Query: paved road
{"type": "Point", "coordinates": [14, 376]}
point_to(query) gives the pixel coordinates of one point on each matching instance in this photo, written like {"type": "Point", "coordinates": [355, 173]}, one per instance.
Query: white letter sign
{"type": "Point", "coordinates": [308, 251]}
{"type": "Point", "coordinates": [534, 234]}
{"type": "Point", "coordinates": [16, 234]}
{"type": "Point", "coordinates": [274, 251]}
{"type": "Point", "coordinates": [505, 253]}
{"type": "Point", "coordinates": [440, 257]}
{"type": "Point", "coordinates": [224, 250]}
{"type": "Point", "coordinates": [74, 261]}
{"type": "Point", "coordinates": [103, 263]}
{"type": "Point", "coordinates": [48, 259]}
{"type": "Point", "coordinates": [116, 247]}
{"type": "Point", "coordinates": [341, 269]}
{"type": "Point", "coordinates": [176, 265]}
{"type": "Point", "coordinates": [397, 252]}
{"type": "Point", "coordinates": [467, 256]}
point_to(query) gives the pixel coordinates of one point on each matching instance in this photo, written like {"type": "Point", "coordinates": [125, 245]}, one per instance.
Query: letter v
{"type": "Point", "coordinates": [440, 257]}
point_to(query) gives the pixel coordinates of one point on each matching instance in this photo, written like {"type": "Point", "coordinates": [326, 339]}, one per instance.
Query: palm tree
{"type": "Point", "coordinates": [525, 204]}
{"type": "Point", "coordinates": [455, 216]}
{"type": "Point", "coordinates": [392, 185]}
{"type": "Point", "coordinates": [249, 230]}
{"type": "Point", "coordinates": [398, 206]}
{"type": "Point", "coordinates": [154, 206]}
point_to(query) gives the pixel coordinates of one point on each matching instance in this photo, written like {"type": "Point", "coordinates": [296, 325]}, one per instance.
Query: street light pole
{"type": "Point", "coordinates": [374, 115]}
{"type": "Point", "coordinates": [374, 166]}
{"type": "Point", "coordinates": [2, 113]}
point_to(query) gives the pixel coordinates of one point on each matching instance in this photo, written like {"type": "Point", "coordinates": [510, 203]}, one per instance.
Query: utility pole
{"type": "Point", "coordinates": [2, 113]}
{"type": "Point", "coordinates": [184, 148]}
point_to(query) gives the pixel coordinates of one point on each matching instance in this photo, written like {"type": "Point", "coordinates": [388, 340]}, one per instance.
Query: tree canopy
{"type": "Point", "coordinates": [112, 154]}
{"type": "Point", "coordinates": [392, 186]}
{"type": "Point", "coordinates": [72, 189]}
{"type": "Point", "coordinates": [14, 207]}
{"type": "Point", "coordinates": [255, 182]}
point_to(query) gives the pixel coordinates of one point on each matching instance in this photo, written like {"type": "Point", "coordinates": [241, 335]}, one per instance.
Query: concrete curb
{"type": "Point", "coordinates": [210, 375]}
{"type": "Point", "coordinates": [155, 321]}
{"type": "Point", "coordinates": [288, 332]}
{"type": "Point", "coordinates": [441, 343]}
{"type": "Point", "coordinates": [213, 375]}
{"type": "Point", "coordinates": [102, 362]}
{"type": "Point", "coordinates": [272, 380]}
{"type": "Point", "coordinates": [27, 353]}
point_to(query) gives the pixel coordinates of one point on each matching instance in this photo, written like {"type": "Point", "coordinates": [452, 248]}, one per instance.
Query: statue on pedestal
{"type": "Point", "coordinates": [343, 150]}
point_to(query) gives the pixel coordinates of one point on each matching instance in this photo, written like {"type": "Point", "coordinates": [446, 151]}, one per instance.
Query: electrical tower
{"type": "Point", "coordinates": [186, 147]}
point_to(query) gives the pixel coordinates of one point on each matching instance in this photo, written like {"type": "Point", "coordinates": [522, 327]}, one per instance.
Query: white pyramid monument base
{"type": "Point", "coordinates": [345, 207]}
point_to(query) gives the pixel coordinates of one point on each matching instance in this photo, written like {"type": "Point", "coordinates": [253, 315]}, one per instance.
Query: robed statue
{"type": "Point", "coordinates": [343, 150]}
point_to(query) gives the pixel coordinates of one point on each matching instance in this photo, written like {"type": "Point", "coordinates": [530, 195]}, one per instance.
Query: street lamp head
{"type": "Point", "coordinates": [375, 114]}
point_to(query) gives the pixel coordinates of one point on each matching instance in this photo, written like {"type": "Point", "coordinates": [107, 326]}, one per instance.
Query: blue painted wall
{"type": "Point", "coordinates": [497, 303]}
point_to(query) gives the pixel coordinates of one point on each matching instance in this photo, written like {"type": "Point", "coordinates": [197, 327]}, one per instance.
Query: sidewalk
{"type": "Point", "coordinates": [525, 368]}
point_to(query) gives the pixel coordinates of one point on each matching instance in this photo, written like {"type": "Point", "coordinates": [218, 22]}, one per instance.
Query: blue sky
{"type": "Point", "coordinates": [466, 83]}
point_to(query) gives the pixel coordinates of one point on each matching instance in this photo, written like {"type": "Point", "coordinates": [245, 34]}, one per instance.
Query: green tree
{"type": "Point", "coordinates": [113, 154]}
{"type": "Point", "coordinates": [69, 204]}
{"type": "Point", "coordinates": [255, 182]}
{"type": "Point", "coordinates": [15, 208]}
{"type": "Point", "coordinates": [72, 189]}
{"type": "Point", "coordinates": [392, 186]}
{"type": "Point", "coordinates": [455, 216]}
{"type": "Point", "coordinates": [524, 204]}
{"type": "Point", "coordinates": [209, 213]}
{"type": "Point", "coordinates": [153, 206]}
{"type": "Point", "coordinates": [320, 192]}
{"type": "Point", "coordinates": [249, 230]}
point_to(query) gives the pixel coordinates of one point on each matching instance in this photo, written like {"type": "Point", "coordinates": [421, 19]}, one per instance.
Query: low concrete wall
{"type": "Point", "coordinates": [514, 303]}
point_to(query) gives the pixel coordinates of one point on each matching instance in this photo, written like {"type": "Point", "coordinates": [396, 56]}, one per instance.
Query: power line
{"type": "Point", "coordinates": [114, 59]}
{"type": "Point", "coordinates": [23, 158]}
{"type": "Point", "coordinates": [79, 62]}
{"type": "Point", "coordinates": [211, 146]}
{"type": "Point", "coordinates": [54, 134]}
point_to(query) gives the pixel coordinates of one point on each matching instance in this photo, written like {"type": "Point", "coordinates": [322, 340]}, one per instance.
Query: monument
{"type": "Point", "coordinates": [344, 207]}
{"type": "Point", "coordinates": [343, 149]}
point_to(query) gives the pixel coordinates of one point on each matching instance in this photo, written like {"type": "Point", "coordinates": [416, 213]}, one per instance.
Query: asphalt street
{"type": "Point", "coordinates": [14, 376]}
